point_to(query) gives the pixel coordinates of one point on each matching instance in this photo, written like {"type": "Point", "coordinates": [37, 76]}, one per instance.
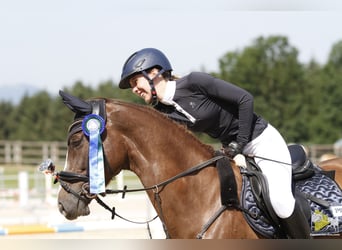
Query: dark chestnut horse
{"type": "Point", "coordinates": [146, 142]}
{"type": "Point", "coordinates": [334, 164]}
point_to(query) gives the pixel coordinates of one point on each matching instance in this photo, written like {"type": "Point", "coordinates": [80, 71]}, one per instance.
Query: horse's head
{"type": "Point", "coordinates": [75, 194]}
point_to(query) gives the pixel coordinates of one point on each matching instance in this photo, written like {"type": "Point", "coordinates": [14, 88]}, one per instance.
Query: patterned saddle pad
{"type": "Point", "coordinates": [325, 220]}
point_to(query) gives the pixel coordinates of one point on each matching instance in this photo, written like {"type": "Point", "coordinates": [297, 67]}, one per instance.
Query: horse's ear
{"type": "Point", "coordinates": [75, 104]}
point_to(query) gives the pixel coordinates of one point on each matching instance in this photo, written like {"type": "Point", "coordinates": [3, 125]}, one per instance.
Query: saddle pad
{"type": "Point", "coordinates": [255, 217]}
{"type": "Point", "coordinates": [323, 221]}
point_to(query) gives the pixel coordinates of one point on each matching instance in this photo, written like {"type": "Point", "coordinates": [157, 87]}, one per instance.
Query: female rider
{"type": "Point", "coordinates": [223, 111]}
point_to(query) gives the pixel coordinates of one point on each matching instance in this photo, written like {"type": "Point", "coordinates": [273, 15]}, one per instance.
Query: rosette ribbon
{"type": "Point", "coordinates": [93, 126]}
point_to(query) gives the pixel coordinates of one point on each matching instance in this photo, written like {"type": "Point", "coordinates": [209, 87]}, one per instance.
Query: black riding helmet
{"type": "Point", "coordinates": [140, 62]}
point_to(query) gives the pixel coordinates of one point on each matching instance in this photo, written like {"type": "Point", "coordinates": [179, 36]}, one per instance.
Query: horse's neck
{"type": "Point", "coordinates": [161, 157]}
{"type": "Point", "coordinates": [159, 148]}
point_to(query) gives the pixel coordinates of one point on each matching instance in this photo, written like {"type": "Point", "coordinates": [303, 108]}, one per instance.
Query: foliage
{"type": "Point", "coordinates": [302, 100]}
{"type": "Point", "coordinates": [292, 96]}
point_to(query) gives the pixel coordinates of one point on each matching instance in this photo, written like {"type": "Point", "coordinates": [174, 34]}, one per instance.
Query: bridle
{"type": "Point", "coordinates": [98, 107]}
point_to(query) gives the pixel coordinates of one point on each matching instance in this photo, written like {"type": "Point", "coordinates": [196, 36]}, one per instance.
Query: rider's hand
{"type": "Point", "coordinates": [233, 149]}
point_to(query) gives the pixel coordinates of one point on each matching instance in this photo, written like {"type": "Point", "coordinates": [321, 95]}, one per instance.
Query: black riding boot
{"type": "Point", "coordinates": [296, 226]}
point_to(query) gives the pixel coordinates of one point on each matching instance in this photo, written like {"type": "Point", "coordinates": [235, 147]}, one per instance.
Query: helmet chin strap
{"type": "Point", "coordinates": [153, 89]}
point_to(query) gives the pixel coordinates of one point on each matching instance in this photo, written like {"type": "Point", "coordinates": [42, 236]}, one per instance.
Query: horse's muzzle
{"type": "Point", "coordinates": [72, 203]}
{"type": "Point", "coordinates": [72, 210]}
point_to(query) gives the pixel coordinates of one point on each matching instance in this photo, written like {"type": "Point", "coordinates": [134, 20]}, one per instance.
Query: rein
{"type": "Point", "coordinates": [168, 181]}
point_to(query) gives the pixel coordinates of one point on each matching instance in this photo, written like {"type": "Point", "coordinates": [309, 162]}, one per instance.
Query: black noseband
{"type": "Point", "coordinates": [71, 177]}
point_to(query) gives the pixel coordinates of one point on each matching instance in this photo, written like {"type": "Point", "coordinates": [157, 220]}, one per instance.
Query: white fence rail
{"type": "Point", "coordinates": [31, 152]}
{"type": "Point", "coordinates": [34, 152]}
{"type": "Point", "coordinates": [29, 187]}
{"type": "Point", "coordinates": [32, 184]}
{"type": "Point", "coordinates": [26, 186]}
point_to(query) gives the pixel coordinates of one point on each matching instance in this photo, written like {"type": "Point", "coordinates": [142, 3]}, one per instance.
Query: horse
{"type": "Point", "coordinates": [327, 156]}
{"type": "Point", "coordinates": [148, 143]}
{"type": "Point", "coordinates": [334, 164]}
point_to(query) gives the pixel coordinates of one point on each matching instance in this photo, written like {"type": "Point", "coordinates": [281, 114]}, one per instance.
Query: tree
{"type": "Point", "coordinates": [6, 120]}
{"type": "Point", "coordinates": [270, 70]}
{"type": "Point", "coordinates": [313, 102]}
{"type": "Point", "coordinates": [330, 110]}
{"type": "Point", "coordinates": [80, 90]}
{"type": "Point", "coordinates": [33, 118]}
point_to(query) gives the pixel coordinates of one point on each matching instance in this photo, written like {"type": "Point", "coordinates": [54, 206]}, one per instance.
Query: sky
{"type": "Point", "coordinates": [49, 45]}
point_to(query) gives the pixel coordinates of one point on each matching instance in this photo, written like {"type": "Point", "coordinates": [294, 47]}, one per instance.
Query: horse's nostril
{"type": "Point", "coordinates": [61, 209]}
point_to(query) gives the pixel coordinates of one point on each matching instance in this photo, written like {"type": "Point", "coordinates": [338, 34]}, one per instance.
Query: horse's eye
{"type": "Point", "coordinates": [75, 140]}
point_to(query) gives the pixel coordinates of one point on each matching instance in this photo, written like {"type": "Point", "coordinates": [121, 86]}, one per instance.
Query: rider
{"type": "Point", "coordinates": [223, 111]}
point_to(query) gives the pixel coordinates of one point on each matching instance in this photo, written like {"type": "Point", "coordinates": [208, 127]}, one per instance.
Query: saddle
{"type": "Point", "coordinates": [314, 189]}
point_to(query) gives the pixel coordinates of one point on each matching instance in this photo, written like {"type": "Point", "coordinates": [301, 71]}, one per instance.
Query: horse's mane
{"type": "Point", "coordinates": [160, 116]}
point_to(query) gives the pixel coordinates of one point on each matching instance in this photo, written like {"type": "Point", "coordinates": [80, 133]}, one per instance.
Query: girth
{"type": "Point", "coordinates": [229, 196]}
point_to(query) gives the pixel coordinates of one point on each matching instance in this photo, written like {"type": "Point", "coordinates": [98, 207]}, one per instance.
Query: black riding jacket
{"type": "Point", "coordinates": [221, 109]}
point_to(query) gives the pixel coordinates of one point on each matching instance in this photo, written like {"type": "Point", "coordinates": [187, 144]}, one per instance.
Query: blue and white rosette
{"type": "Point", "coordinates": [93, 126]}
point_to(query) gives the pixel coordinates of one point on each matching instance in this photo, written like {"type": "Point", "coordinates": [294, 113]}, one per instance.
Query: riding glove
{"type": "Point", "coordinates": [233, 149]}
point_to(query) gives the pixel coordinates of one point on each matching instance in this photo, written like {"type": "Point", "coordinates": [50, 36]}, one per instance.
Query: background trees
{"type": "Point", "coordinates": [302, 100]}
{"type": "Point", "coordinates": [269, 69]}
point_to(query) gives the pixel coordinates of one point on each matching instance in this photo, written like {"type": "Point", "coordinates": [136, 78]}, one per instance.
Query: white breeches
{"type": "Point", "coordinates": [271, 145]}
